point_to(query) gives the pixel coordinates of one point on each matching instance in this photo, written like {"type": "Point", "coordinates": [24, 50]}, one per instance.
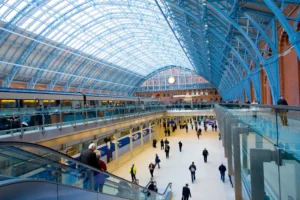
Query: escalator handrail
{"type": "Point", "coordinates": [15, 143]}
{"type": "Point", "coordinates": [15, 181]}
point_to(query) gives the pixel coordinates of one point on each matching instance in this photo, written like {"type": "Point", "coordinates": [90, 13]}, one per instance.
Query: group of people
{"type": "Point", "coordinates": [282, 112]}
{"type": "Point", "coordinates": [91, 158]}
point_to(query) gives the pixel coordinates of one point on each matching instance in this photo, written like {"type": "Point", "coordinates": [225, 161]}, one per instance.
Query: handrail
{"type": "Point", "coordinates": [296, 108]}
{"type": "Point", "coordinates": [13, 143]}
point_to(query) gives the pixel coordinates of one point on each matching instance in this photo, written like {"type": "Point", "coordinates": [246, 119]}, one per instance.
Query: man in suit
{"type": "Point", "coordinates": [186, 193]}
{"type": "Point", "coordinates": [88, 156]}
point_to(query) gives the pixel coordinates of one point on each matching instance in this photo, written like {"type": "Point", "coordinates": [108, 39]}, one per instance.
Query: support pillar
{"type": "Point", "coordinates": [236, 131]}
{"type": "Point", "coordinates": [297, 178]}
{"type": "Point", "coordinates": [258, 141]}
{"type": "Point", "coordinates": [245, 149]}
{"type": "Point", "coordinates": [116, 136]}
{"type": "Point", "coordinates": [130, 142]}
{"type": "Point", "coordinates": [142, 136]}
{"type": "Point", "coordinates": [156, 131]}
{"type": "Point", "coordinates": [229, 123]}
{"type": "Point", "coordinates": [150, 133]}
{"type": "Point", "coordinates": [257, 159]}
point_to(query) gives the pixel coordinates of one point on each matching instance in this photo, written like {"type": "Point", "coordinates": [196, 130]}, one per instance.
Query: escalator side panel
{"type": "Point", "coordinates": [41, 190]}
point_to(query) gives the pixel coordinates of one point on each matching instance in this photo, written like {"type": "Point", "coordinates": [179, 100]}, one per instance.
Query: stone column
{"type": "Point", "coordinates": [130, 142]}
{"type": "Point", "coordinates": [142, 136]}
{"type": "Point", "coordinates": [116, 148]}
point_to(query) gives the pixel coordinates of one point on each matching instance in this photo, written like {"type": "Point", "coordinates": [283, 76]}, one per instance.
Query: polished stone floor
{"type": "Point", "coordinates": [207, 186]}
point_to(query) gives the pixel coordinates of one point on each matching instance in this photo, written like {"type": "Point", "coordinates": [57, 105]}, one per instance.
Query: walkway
{"type": "Point", "coordinates": [207, 186]}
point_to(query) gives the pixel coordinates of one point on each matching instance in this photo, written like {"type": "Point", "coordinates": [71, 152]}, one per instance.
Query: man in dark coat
{"type": "Point", "coordinates": [283, 112]}
{"type": "Point", "coordinates": [162, 144]}
{"type": "Point", "coordinates": [199, 132]}
{"type": "Point", "coordinates": [88, 156]}
{"type": "Point", "coordinates": [193, 169]}
{"type": "Point", "coordinates": [222, 170]}
{"type": "Point", "coordinates": [186, 193]}
{"type": "Point", "coordinates": [180, 145]}
{"type": "Point", "coordinates": [167, 150]}
{"type": "Point", "coordinates": [187, 128]}
{"type": "Point", "coordinates": [205, 154]}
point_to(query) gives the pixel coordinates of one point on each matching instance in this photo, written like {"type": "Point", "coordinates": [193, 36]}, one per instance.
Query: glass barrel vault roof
{"type": "Point", "coordinates": [131, 34]}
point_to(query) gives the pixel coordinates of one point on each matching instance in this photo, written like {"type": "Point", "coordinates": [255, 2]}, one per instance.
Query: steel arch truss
{"type": "Point", "coordinates": [93, 45]}
{"type": "Point", "coordinates": [231, 40]}
{"type": "Point", "coordinates": [111, 46]}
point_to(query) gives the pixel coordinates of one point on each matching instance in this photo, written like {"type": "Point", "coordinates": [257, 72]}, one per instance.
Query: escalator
{"type": "Point", "coordinates": [31, 171]}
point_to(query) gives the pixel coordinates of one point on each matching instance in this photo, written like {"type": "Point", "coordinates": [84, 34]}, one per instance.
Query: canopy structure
{"type": "Point", "coordinates": [112, 45]}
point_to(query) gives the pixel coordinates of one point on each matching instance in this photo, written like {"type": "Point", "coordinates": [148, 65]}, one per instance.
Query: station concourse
{"type": "Point", "coordinates": [87, 86]}
{"type": "Point", "coordinates": [176, 168]}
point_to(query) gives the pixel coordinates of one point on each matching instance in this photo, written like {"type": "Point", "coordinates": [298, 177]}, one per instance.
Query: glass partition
{"type": "Point", "coordinates": [274, 131]}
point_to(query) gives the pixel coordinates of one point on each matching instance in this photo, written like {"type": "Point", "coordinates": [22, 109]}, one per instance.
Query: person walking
{"type": "Point", "coordinates": [157, 161]}
{"type": "Point", "coordinates": [154, 143]}
{"type": "Point", "coordinates": [168, 130]}
{"type": "Point", "coordinates": [205, 127]}
{"type": "Point", "coordinates": [133, 173]}
{"type": "Point", "coordinates": [205, 154]}
{"type": "Point", "coordinates": [283, 112]}
{"type": "Point", "coordinates": [193, 169]}
{"type": "Point", "coordinates": [166, 142]}
{"type": "Point", "coordinates": [167, 150]}
{"type": "Point", "coordinates": [199, 132]}
{"type": "Point", "coordinates": [186, 192]}
{"type": "Point", "coordinates": [222, 170]}
{"type": "Point", "coordinates": [151, 168]}
{"type": "Point", "coordinates": [180, 145]}
{"type": "Point", "coordinates": [187, 128]}
{"type": "Point", "coordinates": [216, 127]}
{"type": "Point", "coordinates": [161, 144]}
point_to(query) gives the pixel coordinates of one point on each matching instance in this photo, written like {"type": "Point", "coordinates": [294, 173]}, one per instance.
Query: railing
{"type": "Point", "coordinates": [30, 161]}
{"type": "Point", "coordinates": [270, 128]}
{"type": "Point", "coordinates": [28, 121]}
{"type": "Point", "coordinates": [175, 87]}
{"type": "Point", "coordinates": [191, 106]}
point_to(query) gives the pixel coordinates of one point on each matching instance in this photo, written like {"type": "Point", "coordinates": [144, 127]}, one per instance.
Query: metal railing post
{"type": "Point", "coordinates": [257, 159]}
{"type": "Point", "coordinates": [236, 131]}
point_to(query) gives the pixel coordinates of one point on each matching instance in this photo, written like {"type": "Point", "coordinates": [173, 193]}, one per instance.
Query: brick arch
{"type": "Point", "coordinates": [252, 92]}
{"type": "Point", "coordinates": [289, 69]}
{"type": "Point", "coordinates": [266, 96]}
